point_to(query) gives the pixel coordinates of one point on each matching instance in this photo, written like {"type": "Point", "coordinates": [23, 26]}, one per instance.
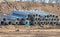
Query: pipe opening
{"type": "Point", "coordinates": [35, 22]}
{"type": "Point", "coordinates": [27, 18]}
{"type": "Point", "coordinates": [35, 18]}
{"type": "Point", "coordinates": [2, 22]}
{"type": "Point", "coordinates": [9, 22]}
{"type": "Point", "coordinates": [18, 19]}
{"type": "Point", "coordinates": [36, 14]}
{"type": "Point", "coordinates": [22, 23]}
{"type": "Point", "coordinates": [56, 16]}
{"type": "Point", "coordinates": [38, 18]}
{"type": "Point", "coordinates": [54, 22]}
{"type": "Point", "coordinates": [41, 22]}
{"type": "Point", "coordinates": [53, 15]}
{"type": "Point", "coordinates": [4, 19]}
{"type": "Point", "coordinates": [17, 23]}
{"type": "Point", "coordinates": [57, 19]}
{"type": "Point", "coordinates": [22, 19]}
{"type": "Point", "coordinates": [54, 19]}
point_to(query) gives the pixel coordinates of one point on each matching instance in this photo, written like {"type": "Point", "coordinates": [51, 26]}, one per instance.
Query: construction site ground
{"type": "Point", "coordinates": [32, 31]}
{"type": "Point", "coordinates": [23, 31]}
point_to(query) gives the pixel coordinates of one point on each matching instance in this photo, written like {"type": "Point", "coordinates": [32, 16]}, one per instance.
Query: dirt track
{"type": "Point", "coordinates": [18, 31]}
{"type": "Point", "coordinates": [37, 33]}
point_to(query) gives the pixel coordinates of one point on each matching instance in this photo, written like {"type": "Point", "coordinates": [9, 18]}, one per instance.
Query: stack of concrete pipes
{"type": "Point", "coordinates": [36, 17]}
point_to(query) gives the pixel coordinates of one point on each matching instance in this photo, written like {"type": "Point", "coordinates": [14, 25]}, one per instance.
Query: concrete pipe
{"type": "Point", "coordinates": [43, 19]}
{"type": "Point", "coordinates": [39, 15]}
{"type": "Point", "coordinates": [4, 19]}
{"type": "Point", "coordinates": [28, 19]}
{"type": "Point", "coordinates": [51, 23]}
{"type": "Point", "coordinates": [17, 22]}
{"type": "Point", "coordinates": [34, 16]}
{"type": "Point", "coordinates": [55, 23]}
{"type": "Point", "coordinates": [46, 19]}
{"type": "Point", "coordinates": [39, 23]}
{"type": "Point", "coordinates": [10, 23]}
{"type": "Point", "coordinates": [2, 22]}
{"type": "Point", "coordinates": [54, 19]}
{"type": "Point", "coordinates": [17, 19]}
{"type": "Point", "coordinates": [51, 15]}
{"type": "Point", "coordinates": [32, 22]}
{"type": "Point", "coordinates": [47, 16]}
{"type": "Point", "coordinates": [29, 15]}
{"type": "Point", "coordinates": [56, 16]}
{"type": "Point", "coordinates": [20, 12]}
{"type": "Point", "coordinates": [45, 23]}
{"type": "Point", "coordinates": [38, 19]}
{"type": "Point", "coordinates": [6, 22]}
{"type": "Point", "coordinates": [35, 22]}
{"type": "Point", "coordinates": [58, 23]}
{"type": "Point", "coordinates": [57, 19]}
{"type": "Point", "coordinates": [22, 22]}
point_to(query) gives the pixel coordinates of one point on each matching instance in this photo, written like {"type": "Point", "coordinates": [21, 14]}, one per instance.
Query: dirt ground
{"type": "Point", "coordinates": [30, 33]}
{"type": "Point", "coordinates": [7, 7]}
{"type": "Point", "coordinates": [23, 31]}
{"type": "Point", "coordinates": [34, 31]}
